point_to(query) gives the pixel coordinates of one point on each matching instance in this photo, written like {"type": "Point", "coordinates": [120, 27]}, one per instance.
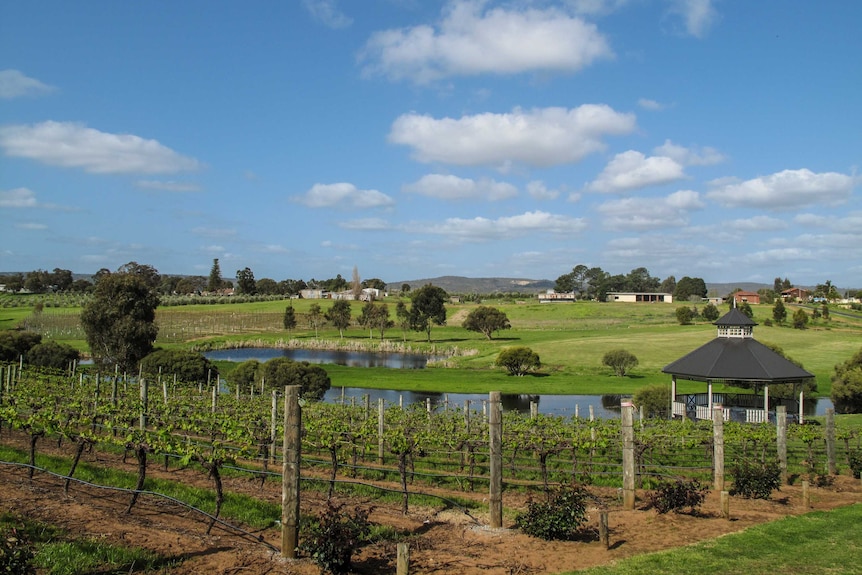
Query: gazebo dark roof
{"type": "Point", "coordinates": [730, 358]}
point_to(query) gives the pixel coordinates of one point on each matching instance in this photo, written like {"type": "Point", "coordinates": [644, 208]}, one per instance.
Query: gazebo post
{"type": "Point", "coordinates": [801, 403]}
{"type": "Point", "coordinates": [709, 397]}
{"type": "Point", "coordinates": [766, 402]}
{"type": "Point", "coordinates": [672, 395]}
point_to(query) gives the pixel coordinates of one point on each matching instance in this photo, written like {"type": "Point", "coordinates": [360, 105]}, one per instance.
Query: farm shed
{"type": "Point", "coordinates": [746, 296]}
{"type": "Point", "coordinates": [734, 358]}
{"type": "Point", "coordinates": [640, 297]}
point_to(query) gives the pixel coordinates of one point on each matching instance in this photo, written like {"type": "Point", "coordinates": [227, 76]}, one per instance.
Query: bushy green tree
{"type": "Point", "coordinates": [688, 288]}
{"type": "Point", "coordinates": [518, 361]}
{"type": "Point", "coordinates": [684, 315]}
{"type": "Point", "coordinates": [289, 320]}
{"type": "Point", "coordinates": [800, 319]}
{"type": "Point", "coordinates": [315, 317]}
{"type": "Point", "coordinates": [188, 366]}
{"type": "Point", "coordinates": [52, 354]}
{"type": "Point", "coordinates": [14, 343]}
{"type": "Point", "coordinates": [120, 320]}
{"type": "Point", "coordinates": [245, 283]}
{"type": "Point", "coordinates": [245, 374]}
{"type": "Point", "coordinates": [428, 307]}
{"type": "Point", "coordinates": [620, 360]}
{"type": "Point", "coordinates": [282, 371]}
{"type": "Point", "coordinates": [779, 312]}
{"type": "Point", "coordinates": [486, 320]}
{"type": "Point", "coordinates": [339, 315]}
{"type": "Point", "coordinates": [654, 399]}
{"type": "Point", "coordinates": [710, 312]}
{"type": "Point", "coordinates": [847, 385]}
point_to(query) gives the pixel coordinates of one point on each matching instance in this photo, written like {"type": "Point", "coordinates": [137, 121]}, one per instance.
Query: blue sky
{"type": "Point", "coordinates": [712, 138]}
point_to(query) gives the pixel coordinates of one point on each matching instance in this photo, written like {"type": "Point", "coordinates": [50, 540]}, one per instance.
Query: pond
{"type": "Point", "coordinates": [395, 360]}
{"type": "Point", "coordinates": [604, 406]}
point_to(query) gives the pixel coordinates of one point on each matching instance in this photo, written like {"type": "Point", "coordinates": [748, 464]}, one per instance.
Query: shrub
{"type": "Point", "coordinates": [677, 495]}
{"type": "Point", "coordinates": [847, 385]}
{"type": "Point", "coordinates": [188, 366]}
{"type": "Point", "coordinates": [655, 400]}
{"type": "Point", "coordinates": [16, 556]}
{"type": "Point", "coordinates": [335, 536]}
{"type": "Point", "coordinates": [854, 458]}
{"type": "Point", "coordinates": [518, 360]}
{"type": "Point", "coordinates": [620, 360]}
{"type": "Point", "coordinates": [756, 481]}
{"type": "Point", "coordinates": [684, 315]}
{"type": "Point", "coordinates": [558, 518]}
{"type": "Point", "coordinates": [52, 354]}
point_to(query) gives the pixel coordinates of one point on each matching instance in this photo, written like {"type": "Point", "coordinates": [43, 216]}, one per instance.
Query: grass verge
{"type": "Point", "coordinates": [819, 543]}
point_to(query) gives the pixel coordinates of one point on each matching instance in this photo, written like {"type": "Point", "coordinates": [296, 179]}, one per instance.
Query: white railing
{"type": "Point", "coordinates": [679, 408]}
{"type": "Point", "coordinates": [703, 412]}
{"type": "Point", "coordinates": [756, 416]}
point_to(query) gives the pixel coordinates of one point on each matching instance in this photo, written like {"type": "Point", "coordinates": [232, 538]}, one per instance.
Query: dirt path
{"type": "Point", "coordinates": [442, 541]}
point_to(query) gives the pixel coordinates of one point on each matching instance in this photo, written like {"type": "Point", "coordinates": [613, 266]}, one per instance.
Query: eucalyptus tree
{"type": "Point", "coordinates": [428, 307]}
{"type": "Point", "coordinates": [119, 321]}
{"type": "Point", "coordinates": [339, 315]}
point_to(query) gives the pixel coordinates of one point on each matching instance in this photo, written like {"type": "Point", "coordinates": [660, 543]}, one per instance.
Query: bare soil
{"type": "Point", "coordinates": [441, 541]}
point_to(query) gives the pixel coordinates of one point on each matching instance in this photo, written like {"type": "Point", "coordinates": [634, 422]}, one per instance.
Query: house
{"type": "Point", "coordinates": [746, 297]}
{"type": "Point", "coordinates": [552, 297]}
{"type": "Point", "coordinates": [314, 294]}
{"type": "Point", "coordinates": [795, 294]}
{"type": "Point", "coordinates": [647, 297]}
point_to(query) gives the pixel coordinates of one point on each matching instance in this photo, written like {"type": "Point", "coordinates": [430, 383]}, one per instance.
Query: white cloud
{"type": "Point", "coordinates": [757, 224]}
{"type": "Point", "coordinates": [18, 198]}
{"type": "Point", "coordinates": [169, 186]}
{"type": "Point", "coordinates": [786, 189]}
{"type": "Point", "coordinates": [539, 191]}
{"type": "Point", "coordinates": [327, 13]}
{"type": "Point", "coordinates": [73, 145]}
{"type": "Point", "coordinates": [788, 254]}
{"type": "Point", "coordinates": [690, 156]}
{"type": "Point", "coordinates": [852, 222]}
{"type": "Point", "coordinates": [471, 40]}
{"type": "Point", "coordinates": [538, 137]}
{"type": "Point", "coordinates": [31, 226]}
{"type": "Point", "coordinates": [449, 187]}
{"type": "Point", "coordinates": [648, 104]}
{"type": "Point", "coordinates": [632, 170]}
{"type": "Point", "coordinates": [366, 224]}
{"type": "Point", "coordinates": [343, 195]}
{"type": "Point", "coordinates": [650, 213]}
{"type": "Point", "coordinates": [14, 84]}
{"type": "Point", "coordinates": [206, 232]}
{"type": "Point", "coordinates": [697, 15]}
{"type": "Point", "coordinates": [484, 229]}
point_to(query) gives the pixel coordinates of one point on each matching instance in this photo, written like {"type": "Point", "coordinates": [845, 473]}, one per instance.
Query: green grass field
{"type": "Point", "coordinates": [820, 543]}
{"type": "Point", "coordinates": [570, 338]}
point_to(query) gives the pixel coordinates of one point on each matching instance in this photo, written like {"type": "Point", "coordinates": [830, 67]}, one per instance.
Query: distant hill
{"type": "Point", "coordinates": [464, 285]}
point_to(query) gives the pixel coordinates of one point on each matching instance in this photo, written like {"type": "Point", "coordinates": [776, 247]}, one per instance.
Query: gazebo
{"type": "Point", "coordinates": [733, 358]}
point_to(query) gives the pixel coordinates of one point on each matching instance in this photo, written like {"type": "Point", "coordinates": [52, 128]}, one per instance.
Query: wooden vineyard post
{"type": "Point", "coordinates": [628, 456]}
{"type": "Point", "coordinates": [381, 429]}
{"type": "Point", "coordinates": [832, 466]}
{"type": "Point", "coordinates": [403, 561]}
{"type": "Point", "coordinates": [603, 529]}
{"type": "Point", "coordinates": [291, 451]}
{"type": "Point", "coordinates": [781, 433]}
{"type": "Point", "coordinates": [725, 504]}
{"type": "Point", "coordinates": [495, 441]}
{"type": "Point", "coordinates": [718, 447]}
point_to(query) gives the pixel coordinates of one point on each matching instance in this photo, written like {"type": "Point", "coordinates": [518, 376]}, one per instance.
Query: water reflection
{"type": "Point", "coordinates": [394, 360]}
